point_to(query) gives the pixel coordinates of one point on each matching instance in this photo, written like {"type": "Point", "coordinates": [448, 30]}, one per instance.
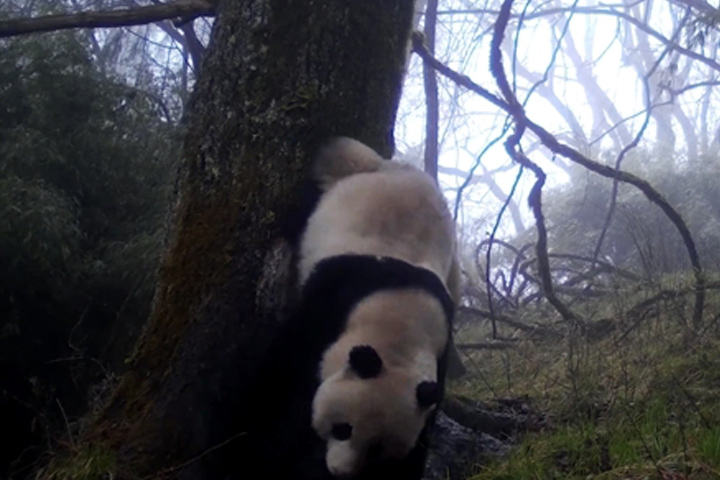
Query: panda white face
{"type": "Point", "coordinates": [368, 412]}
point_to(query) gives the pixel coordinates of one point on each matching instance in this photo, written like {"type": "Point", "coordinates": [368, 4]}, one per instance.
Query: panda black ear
{"type": "Point", "coordinates": [428, 394]}
{"type": "Point", "coordinates": [365, 361]}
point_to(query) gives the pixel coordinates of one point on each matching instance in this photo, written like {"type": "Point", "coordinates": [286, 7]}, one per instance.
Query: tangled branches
{"type": "Point", "coordinates": [522, 124]}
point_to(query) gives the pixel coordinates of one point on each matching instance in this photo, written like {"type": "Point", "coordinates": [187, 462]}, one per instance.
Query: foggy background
{"type": "Point", "coordinates": [91, 130]}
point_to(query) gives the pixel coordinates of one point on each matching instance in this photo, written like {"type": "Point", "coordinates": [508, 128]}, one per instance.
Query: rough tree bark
{"type": "Point", "coordinates": [279, 78]}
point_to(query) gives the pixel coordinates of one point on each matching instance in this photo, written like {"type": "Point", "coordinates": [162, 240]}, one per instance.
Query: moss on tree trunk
{"type": "Point", "coordinates": [280, 78]}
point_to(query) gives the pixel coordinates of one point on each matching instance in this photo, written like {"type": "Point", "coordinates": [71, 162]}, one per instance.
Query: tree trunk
{"type": "Point", "coordinates": [280, 77]}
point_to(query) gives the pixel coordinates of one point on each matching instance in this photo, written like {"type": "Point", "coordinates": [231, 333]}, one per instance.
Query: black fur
{"type": "Point", "coordinates": [342, 431]}
{"type": "Point", "coordinates": [295, 221]}
{"type": "Point", "coordinates": [280, 441]}
{"type": "Point", "coordinates": [428, 394]}
{"type": "Point", "coordinates": [365, 361]}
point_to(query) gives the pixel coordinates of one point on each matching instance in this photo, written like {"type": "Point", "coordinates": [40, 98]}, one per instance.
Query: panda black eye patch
{"type": "Point", "coordinates": [428, 394]}
{"type": "Point", "coordinates": [374, 451]}
{"type": "Point", "coordinates": [365, 361]}
{"type": "Point", "coordinates": [341, 431]}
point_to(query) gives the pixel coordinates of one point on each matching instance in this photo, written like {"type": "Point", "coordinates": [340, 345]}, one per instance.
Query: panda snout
{"type": "Point", "coordinates": [341, 472]}
{"type": "Point", "coordinates": [341, 463]}
{"type": "Point", "coordinates": [342, 475]}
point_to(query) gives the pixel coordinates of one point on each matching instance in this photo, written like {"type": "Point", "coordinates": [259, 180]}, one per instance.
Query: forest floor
{"type": "Point", "coordinates": [638, 405]}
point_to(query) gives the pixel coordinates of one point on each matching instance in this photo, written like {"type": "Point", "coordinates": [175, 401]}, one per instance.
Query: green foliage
{"type": "Point", "coordinates": [86, 165]}
{"type": "Point", "coordinates": [39, 233]}
{"type": "Point", "coordinates": [89, 463]}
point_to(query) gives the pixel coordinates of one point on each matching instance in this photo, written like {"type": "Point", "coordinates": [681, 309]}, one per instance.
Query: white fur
{"type": "Point", "coordinates": [375, 207]}
{"type": "Point", "coordinates": [396, 212]}
{"type": "Point", "coordinates": [342, 157]}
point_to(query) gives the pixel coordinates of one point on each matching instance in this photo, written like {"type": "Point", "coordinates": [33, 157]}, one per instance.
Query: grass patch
{"type": "Point", "coordinates": [86, 463]}
{"type": "Point", "coordinates": [644, 407]}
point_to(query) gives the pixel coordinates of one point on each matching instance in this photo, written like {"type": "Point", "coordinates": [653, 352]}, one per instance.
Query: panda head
{"type": "Point", "coordinates": [369, 412]}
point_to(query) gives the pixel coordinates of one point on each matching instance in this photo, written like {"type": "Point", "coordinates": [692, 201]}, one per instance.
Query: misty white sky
{"type": "Point", "coordinates": [468, 123]}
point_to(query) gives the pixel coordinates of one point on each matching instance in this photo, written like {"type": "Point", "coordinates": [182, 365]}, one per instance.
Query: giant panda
{"type": "Point", "coordinates": [352, 382]}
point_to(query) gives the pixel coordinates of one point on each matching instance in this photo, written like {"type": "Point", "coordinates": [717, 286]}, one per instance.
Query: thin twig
{"type": "Point", "coordinates": [559, 148]}
{"type": "Point", "coordinates": [67, 424]}
{"type": "Point", "coordinates": [506, 320]}
{"type": "Point", "coordinates": [106, 19]}
{"type": "Point", "coordinates": [431, 95]}
{"type": "Point", "coordinates": [634, 143]}
{"type": "Point", "coordinates": [488, 259]}
{"type": "Point", "coordinates": [164, 472]}
{"type": "Point", "coordinates": [590, 10]}
{"type": "Point", "coordinates": [512, 146]}
{"type": "Point", "coordinates": [485, 346]}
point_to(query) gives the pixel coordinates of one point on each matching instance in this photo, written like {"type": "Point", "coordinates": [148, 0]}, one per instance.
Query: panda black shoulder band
{"type": "Point", "coordinates": [344, 280]}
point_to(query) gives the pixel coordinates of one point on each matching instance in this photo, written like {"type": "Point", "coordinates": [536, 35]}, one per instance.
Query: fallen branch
{"type": "Point", "coordinates": [606, 267]}
{"type": "Point", "coordinates": [502, 424]}
{"type": "Point", "coordinates": [485, 346]}
{"type": "Point", "coordinates": [639, 311]}
{"type": "Point", "coordinates": [476, 312]}
{"type": "Point", "coordinates": [107, 19]}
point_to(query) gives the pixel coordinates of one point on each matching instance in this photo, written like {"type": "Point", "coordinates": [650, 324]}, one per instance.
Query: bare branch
{"type": "Point", "coordinates": [196, 48]}
{"type": "Point", "coordinates": [598, 263]}
{"type": "Point", "coordinates": [107, 19]}
{"type": "Point", "coordinates": [596, 95]}
{"type": "Point", "coordinates": [488, 255]}
{"type": "Point", "coordinates": [653, 195]}
{"type": "Point", "coordinates": [573, 155]}
{"type": "Point", "coordinates": [699, 5]}
{"type": "Point", "coordinates": [188, 40]}
{"type": "Point", "coordinates": [604, 11]}
{"type": "Point", "coordinates": [686, 88]}
{"type": "Point", "coordinates": [512, 146]}
{"type": "Point", "coordinates": [639, 311]}
{"type": "Point", "coordinates": [534, 329]}
{"type": "Point", "coordinates": [638, 137]}
{"type": "Point", "coordinates": [496, 62]}
{"type": "Point", "coordinates": [420, 48]}
{"type": "Point", "coordinates": [431, 95]}
{"type": "Point", "coordinates": [485, 346]}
